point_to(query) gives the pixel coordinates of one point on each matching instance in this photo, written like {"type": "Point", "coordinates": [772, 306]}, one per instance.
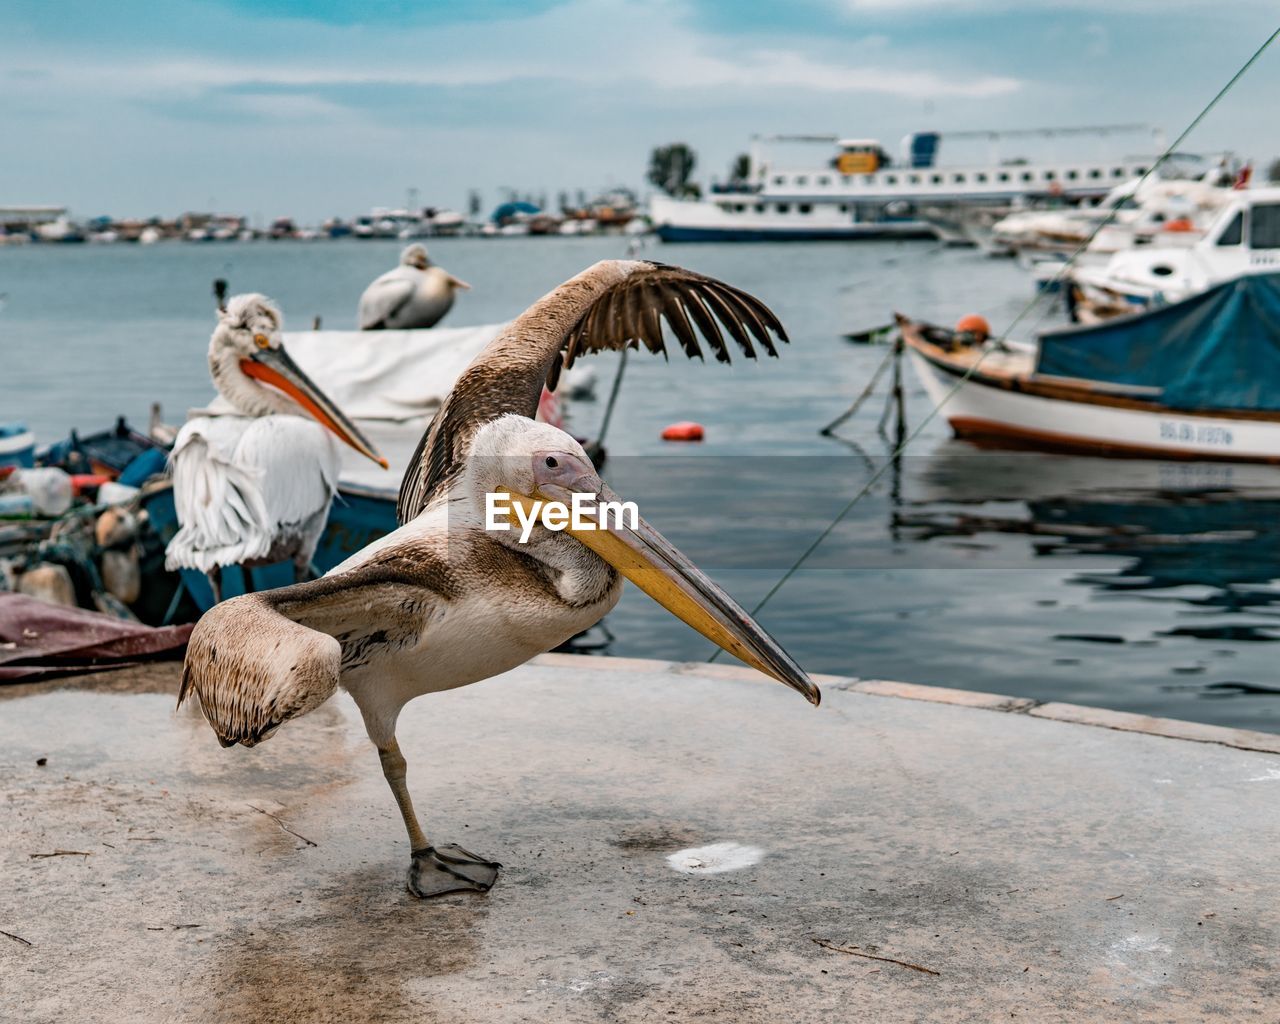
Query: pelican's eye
{"type": "Point", "coordinates": [261, 340]}
{"type": "Point", "coordinates": [551, 462]}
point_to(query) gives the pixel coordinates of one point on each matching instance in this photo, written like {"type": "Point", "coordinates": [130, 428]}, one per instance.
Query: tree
{"type": "Point", "coordinates": [740, 169]}
{"type": "Point", "coordinates": [1273, 171]}
{"type": "Point", "coordinates": [670, 168]}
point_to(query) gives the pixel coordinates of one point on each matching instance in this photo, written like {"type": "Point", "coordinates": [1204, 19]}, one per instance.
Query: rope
{"type": "Point", "coordinates": [829, 429]}
{"type": "Point", "coordinates": [998, 344]}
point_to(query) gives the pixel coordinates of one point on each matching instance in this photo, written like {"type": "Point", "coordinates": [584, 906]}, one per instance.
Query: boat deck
{"type": "Point", "coordinates": [922, 854]}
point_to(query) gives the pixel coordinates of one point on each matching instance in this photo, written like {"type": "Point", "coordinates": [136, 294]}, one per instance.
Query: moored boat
{"type": "Point", "coordinates": [1243, 237]}
{"type": "Point", "coordinates": [862, 192]}
{"type": "Point", "coordinates": [1197, 379]}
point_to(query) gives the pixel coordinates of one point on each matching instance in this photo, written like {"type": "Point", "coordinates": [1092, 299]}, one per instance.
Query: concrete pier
{"type": "Point", "coordinates": [900, 854]}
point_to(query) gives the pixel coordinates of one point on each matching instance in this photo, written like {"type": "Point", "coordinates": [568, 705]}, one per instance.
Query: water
{"type": "Point", "coordinates": [1142, 586]}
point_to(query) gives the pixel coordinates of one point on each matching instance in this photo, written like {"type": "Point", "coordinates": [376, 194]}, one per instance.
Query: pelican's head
{"type": "Point", "coordinates": [415, 256]}
{"type": "Point", "coordinates": [539, 469]}
{"type": "Point", "coordinates": [253, 372]}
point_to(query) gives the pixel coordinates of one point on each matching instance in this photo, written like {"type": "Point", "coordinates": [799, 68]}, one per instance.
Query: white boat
{"type": "Point", "coordinates": [1171, 213]}
{"type": "Point", "coordinates": [861, 192]}
{"type": "Point", "coordinates": [1198, 379]}
{"type": "Point", "coordinates": [1242, 238]}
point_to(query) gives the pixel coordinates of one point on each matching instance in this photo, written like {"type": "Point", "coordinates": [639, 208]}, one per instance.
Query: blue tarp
{"type": "Point", "coordinates": [1219, 349]}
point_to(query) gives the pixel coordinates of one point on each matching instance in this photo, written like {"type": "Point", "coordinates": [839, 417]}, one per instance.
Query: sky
{"type": "Point", "coordinates": [331, 107]}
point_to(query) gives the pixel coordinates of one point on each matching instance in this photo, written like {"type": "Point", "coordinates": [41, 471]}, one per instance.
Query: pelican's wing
{"type": "Point", "coordinates": [240, 485]}
{"type": "Point", "coordinates": [384, 298]}
{"type": "Point", "coordinates": [256, 661]}
{"type": "Point", "coordinates": [613, 305]}
{"type": "Point", "coordinates": [221, 514]}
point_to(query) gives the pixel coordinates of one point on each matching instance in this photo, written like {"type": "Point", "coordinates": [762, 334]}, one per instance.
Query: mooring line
{"type": "Point", "coordinates": [999, 343]}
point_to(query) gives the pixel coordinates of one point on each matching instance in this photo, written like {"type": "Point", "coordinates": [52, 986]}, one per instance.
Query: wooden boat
{"type": "Point", "coordinates": [1197, 379]}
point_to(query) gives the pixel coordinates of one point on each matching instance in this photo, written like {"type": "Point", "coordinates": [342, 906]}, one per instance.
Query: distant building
{"type": "Point", "coordinates": [24, 218]}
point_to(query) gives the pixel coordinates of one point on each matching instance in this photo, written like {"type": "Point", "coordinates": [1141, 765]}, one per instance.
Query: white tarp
{"type": "Point", "coordinates": [395, 376]}
{"type": "Point", "coordinates": [389, 382]}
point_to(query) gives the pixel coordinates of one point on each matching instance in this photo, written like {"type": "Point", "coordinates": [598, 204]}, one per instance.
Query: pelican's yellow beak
{"type": "Point", "coordinates": [657, 567]}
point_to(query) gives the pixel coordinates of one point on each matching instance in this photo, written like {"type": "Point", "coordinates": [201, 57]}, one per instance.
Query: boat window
{"type": "Point", "coordinates": [824, 180]}
{"type": "Point", "coordinates": [805, 208]}
{"type": "Point", "coordinates": [1234, 234]}
{"type": "Point", "coordinates": [981, 177]}
{"type": "Point", "coordinates": [739, 207]}
{"type": "Point", "coordinates": [868, 179]}
{"type": "Point", "coordinates": [890, 179]}
{"type": "Point", "coordinates": [802, 180]}
{"type": "Point", "coordinates": [1004, 175]}
{"type": "Point", "coordinates": [1095, 172]}
{"type": "Point", "coordinates": [936, 179]}
{"type": "Point", "coordinates": [1026, 175]}
{"type": "Point", "coordinates": [1264, 227]}
{"type": "Point", "coordinates": [958, 179]}
{"type": "Point", "coordinates": [847, 179]}
{"type": "Point", "coordinates": [784, 207]}
{"type": "Point", "coordinates": [1117, 172]}
{"type": "Point", "coordinates": [1139, 170]}
{"type": "Point", "coordinates": [780, 180]}
{"type": "Point", "coordinates": [759, 207]}
{"type": "Point", "coordinates": [844, 207]}
{"type": "Point", "coordinates": [1072, 175]}
{"type": "Point", "coordinates": [1049, 175]}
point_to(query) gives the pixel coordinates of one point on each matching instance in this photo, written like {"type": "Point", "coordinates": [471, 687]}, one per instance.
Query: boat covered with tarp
{"type": "Point", "coordinates": [1196, 379]}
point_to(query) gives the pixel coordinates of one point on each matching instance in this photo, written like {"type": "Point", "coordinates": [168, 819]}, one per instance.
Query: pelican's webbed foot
{"type": "Point", "coordinates": [436, 871]}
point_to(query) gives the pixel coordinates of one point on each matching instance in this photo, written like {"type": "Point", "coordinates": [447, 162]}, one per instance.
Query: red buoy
{"type": "Point", "coordinates": [687, 431]}
{"type": "Point", "coordinates": [85, 485]}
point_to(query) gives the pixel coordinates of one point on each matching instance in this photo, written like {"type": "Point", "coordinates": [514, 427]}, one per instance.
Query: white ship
{"type": "Point", "coordinates": [862, 192]}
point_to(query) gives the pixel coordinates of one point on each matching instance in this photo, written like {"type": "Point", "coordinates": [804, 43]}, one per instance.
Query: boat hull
{"type": "Point", "coordinates": [980, 410]}
{"type": "Point", "coordinates": [888, 229]}
{"type": "Point", "coordinates": [358, 517]}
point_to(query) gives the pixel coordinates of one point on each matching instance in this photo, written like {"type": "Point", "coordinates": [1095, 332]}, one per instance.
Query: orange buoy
{"type": "Point", "coordinates": [975, 325]}
{"type": "Point", "coordinates": [687, 431]}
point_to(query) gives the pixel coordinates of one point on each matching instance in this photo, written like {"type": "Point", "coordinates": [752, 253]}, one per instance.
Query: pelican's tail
{"type": "Point", "coordinates": [253, 668]}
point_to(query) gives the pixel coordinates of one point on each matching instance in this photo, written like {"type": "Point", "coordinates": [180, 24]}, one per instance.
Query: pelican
{"type": "Point", "coordinates": [256, 488]}
{"type": "Point", "coordinates": [445, 601]}
{"type": "Point", "coordinates": [415, 294]}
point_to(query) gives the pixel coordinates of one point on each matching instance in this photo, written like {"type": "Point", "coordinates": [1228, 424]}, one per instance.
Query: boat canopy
{"type": "Point", "coordinates": [1219, 349]}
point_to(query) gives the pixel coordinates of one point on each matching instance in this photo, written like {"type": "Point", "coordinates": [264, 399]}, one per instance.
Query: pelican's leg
{"type": "Point", "coordinates": [434, 871]}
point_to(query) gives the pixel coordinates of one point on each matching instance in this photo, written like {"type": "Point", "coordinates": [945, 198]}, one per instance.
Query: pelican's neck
{"type": "Point", "coordinates": [242, 391]}
{"type": "Point", "coordinates": [578, 575]}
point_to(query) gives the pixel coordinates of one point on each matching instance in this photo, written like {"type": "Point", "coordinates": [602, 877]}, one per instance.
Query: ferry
{"type": "Point", "coordinates": [863, 192]}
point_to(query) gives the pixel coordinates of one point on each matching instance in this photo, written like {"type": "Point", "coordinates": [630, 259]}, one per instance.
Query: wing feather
{"type": "Point", "coordinates": [384, 298]}
{"type": "Point", "coordinates": [613, 305]}
{"type": "Point", "coordinates": [256, 661]}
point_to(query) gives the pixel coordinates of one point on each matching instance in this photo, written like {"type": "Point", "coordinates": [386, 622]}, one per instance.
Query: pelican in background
{"type": "Point", "coordinates": [256, 488]}
{"type": "Point", "coordinates": [415, 294]}
{"type": "Point", "coordinates": [444, 601]}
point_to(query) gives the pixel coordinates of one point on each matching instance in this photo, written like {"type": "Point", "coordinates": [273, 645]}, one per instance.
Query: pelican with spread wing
{"type": "Point", "coordinates": [445, 600]}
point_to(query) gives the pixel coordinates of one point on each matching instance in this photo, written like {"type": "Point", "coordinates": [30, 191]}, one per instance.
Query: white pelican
{"type": "Point", "coordinates": [443, 601]}
{"type": "Point", "coordinates": [256, 488]}
{"type": "Point", "coordinates": [415, 294]}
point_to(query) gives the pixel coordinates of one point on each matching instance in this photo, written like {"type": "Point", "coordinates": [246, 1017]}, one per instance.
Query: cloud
{"type": "Point", "coordinates": [651, 47]}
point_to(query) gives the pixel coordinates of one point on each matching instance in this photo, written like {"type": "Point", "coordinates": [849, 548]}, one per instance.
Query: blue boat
{"type": "Point", "coordinates": [358, 517]}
